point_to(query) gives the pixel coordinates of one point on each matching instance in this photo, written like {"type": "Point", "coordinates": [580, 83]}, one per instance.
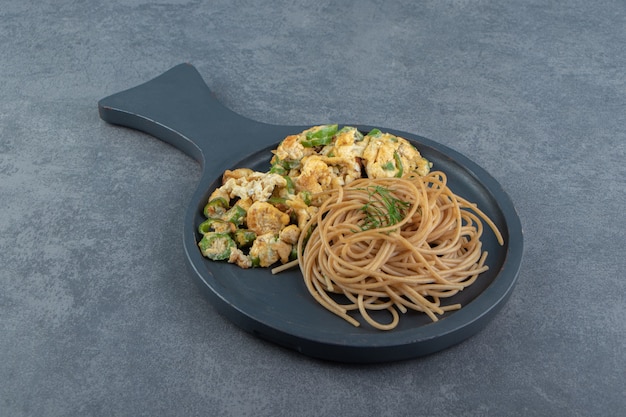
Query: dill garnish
{"type": "Point", "coordinates": [382, 209]}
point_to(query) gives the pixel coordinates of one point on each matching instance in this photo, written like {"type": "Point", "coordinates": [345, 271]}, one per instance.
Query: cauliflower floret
{"type": "Point", "coordinates": [290, 234]}
{"type": "Point", "coordinates": [240, 259]}
{"type": "Point", "coordinates": [303, 215]}
{"type": "Point", "coordinates": [269, 249]}
{"type": "Point", "coordinates": [315, 176]}
{"type": "Point", "coordinates": [264, 218]}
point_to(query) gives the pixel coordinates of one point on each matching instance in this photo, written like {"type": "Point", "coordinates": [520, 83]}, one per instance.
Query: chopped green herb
{"type": "Point", "coordinates": [306, 197]}
{"type": "Point", "coordinates": [399, 165]}
{"type": "Point", "coordinates": [382, 209]}
{"type": "Point", "coordinates": [375, 132]}
{"type": "Point", "coordinates": [389, 166]}
{"type": "Point", "coordinates": [320, 136]}
{"type": "Point", "coordinates": [291, 188]}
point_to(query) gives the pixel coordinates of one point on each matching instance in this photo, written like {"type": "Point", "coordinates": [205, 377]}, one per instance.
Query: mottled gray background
{"type": "Point", "coordinates": [98, 315]}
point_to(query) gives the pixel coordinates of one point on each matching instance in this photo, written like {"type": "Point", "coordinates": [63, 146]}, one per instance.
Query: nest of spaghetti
{"type": "Point", "coordinates": [395, 244]}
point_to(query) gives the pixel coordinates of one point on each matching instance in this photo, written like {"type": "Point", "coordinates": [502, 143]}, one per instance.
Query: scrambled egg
{"type": "Point", "coordinates": [243, 183]}
{"type": "Point", "coordinates": [389, 156]}
{"type": "Point", "coordinates": [276, 205]}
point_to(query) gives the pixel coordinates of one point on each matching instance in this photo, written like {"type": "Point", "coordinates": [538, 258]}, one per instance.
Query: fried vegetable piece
{"type": "Point", "coordinates": [290, 234]}
{"type": "Point", "coordinates": [235, 215]}
{"type": "Point", "coordinates": [244, 238]}
{"type": "Point", "coordinates": [215, 225]}
{"type": "Point", "coordinates": [216, 207]}
{"type": "Point", "coordinates": [264, 218]}
{"type": "Point", "coordinates": [217, 246]}
{"type": "Point", "coordinates": [268, 249]}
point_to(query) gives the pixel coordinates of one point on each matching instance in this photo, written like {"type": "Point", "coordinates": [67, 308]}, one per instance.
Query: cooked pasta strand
{"type": "Point", "coordinates": [425, 246]}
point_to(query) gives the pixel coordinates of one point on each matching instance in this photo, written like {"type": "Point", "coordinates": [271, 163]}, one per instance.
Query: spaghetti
{"type": "Point", "coordinates": [394, 244]}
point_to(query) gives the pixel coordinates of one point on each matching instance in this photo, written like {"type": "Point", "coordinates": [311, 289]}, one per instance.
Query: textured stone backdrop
{"type": "Point", "coordinates": [98, 315]}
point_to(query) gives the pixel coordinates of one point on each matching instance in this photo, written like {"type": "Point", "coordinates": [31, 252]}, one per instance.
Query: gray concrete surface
{"type": "Point", "coordinates": [98, 315]}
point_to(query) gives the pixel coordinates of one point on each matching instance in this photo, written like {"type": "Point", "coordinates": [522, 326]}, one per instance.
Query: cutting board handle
{"type": "Point", "coordinates": [178, 107]}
